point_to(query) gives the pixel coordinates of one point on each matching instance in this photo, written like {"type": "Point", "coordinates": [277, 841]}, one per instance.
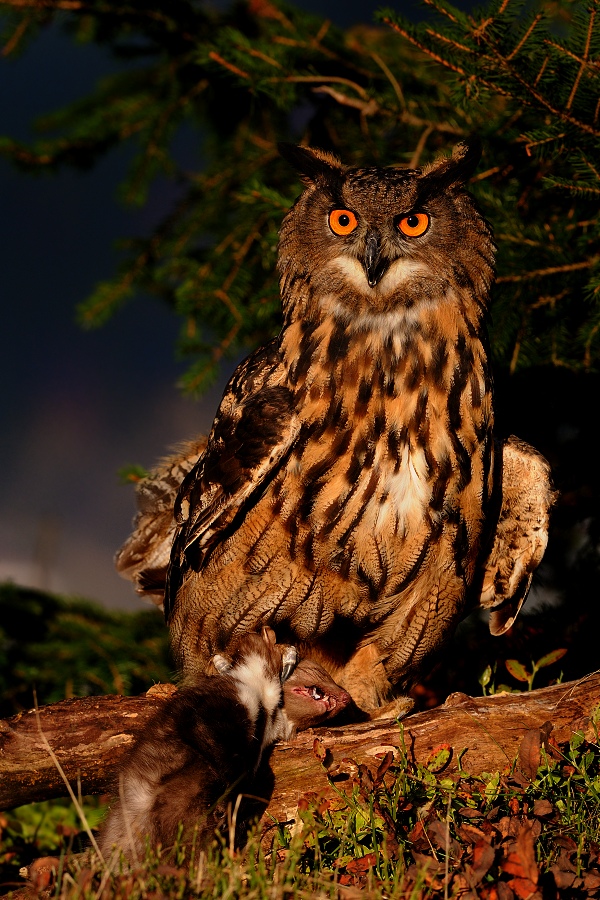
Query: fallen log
{"type": "Point", "coordinates": [88, 737]}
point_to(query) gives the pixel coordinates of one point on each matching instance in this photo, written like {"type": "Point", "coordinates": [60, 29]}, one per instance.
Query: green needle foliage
{"type": "Point", "coordinates": [539, 72]}
{"type": "Point", "coordinates": [522, 76]}
{"type": "Point", "coordinates": [52, 649]}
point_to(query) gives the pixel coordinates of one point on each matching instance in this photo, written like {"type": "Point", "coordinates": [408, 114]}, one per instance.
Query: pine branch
{"type": "Point", "coordinates": [551, 270]}
{"type": "Point", "coordinates": [373, 97]}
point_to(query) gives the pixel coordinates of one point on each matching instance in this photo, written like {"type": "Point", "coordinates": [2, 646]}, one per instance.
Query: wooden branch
{"type": "Point", "coordinates": [488, 729]}
{"type": "Point", "coordinates": [551, 270]}
{"type": "Point", "coordinates": [89, 737]}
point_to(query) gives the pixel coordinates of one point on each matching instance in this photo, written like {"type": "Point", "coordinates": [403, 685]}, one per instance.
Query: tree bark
{"type": "Point", "coordinates": [89, 737]}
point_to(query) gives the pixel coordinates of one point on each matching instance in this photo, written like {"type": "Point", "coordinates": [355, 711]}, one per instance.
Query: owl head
{"type": "Point", "coordinates": [383, 239]}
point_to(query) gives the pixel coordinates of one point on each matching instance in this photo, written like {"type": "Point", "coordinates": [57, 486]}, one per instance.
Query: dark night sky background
{"type": "Point", "coordinates": [77, 405]}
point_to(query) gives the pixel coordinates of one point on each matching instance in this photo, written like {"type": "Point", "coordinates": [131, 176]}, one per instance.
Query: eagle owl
{"type": "Point", "coordinates": [352, 493]}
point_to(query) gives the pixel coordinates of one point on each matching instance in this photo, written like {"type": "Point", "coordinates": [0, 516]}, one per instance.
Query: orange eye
{"type": "Point", "coordinates": [414, 225]}
{"type": "Point", "coordinates": [342, 221]}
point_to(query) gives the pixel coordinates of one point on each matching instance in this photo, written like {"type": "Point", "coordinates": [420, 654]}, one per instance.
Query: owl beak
{"type": "Point", "coordinates": [375, 265]}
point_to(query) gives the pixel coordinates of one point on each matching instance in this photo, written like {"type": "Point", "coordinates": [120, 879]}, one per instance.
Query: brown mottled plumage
{"type": "Point", "coordinates": [144, 557]}
{"type": "Point", "coordinates": [352, 494]}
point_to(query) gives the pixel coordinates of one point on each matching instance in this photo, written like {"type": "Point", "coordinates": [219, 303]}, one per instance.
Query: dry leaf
{"type": "Point", "coordinates": [562, 878]}
{"type": "Point", "coordinates": [471, 835]}
{"type": "Point", "coordinates": [542, 808]}
{"type": "Point", "coordinates": [323, 753]}
{"type": "Point", "coordinates": [439, 835]}
{"type": "Point", "coordinates": [529, 752]}
{"type": "Point", "coordinates": [161, 691]}
{"type": "Point", "coordinates": [365, 777]}
{"type": "Point", "coordinates": [525, 848]}
{"type": "Point", "coordinates": [523, 888]}
{"type": "Point", "coordinates": [363, 864]}
{"type": "Point", "coordinates": [348, 890]}
{"type": "Point", "coordinates": [306, 801]}
{"type": "Point", "coordinates": [504, 891]}
{"type": "Point", "coordinates": [564, 863]}
{"type": "Point", "coordinates": [439, 758]}
{"type": "Point", "coordinates": [469, 813]}
{"type": "Point", "coordinates": [566, 842]}
{"type": "Point", "coordinates": [427, 865]}
{"type": "Point", "coordinates": [489, 892]}
{"type": "Point", "coordinates": [483, 859]}
{"type": "Point", "coordinates": [319, 749]}
{"type": "Point", "coordinates": [517, 669]}
{"type": "Point", "coordinates": [387, 761]}
{"type": "Point", "coordinates": [416, 832]}
{"type": "Point", "coordinates": [550, 658]}
{"type": "Point", "coordinates": [520, 861]}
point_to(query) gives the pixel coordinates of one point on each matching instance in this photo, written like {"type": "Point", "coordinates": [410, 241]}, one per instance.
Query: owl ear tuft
{"type": "Point", "coordinates": [453, 170]}
{"type": "Point", "coordinates": [311, 164]}
{"type": "Point", "coordinates": [466, 156]}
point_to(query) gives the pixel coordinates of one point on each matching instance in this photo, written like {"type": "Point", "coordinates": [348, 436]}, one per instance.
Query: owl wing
{"type": "Point", "coordinates": [521, 534]}
{"type": "Point", "coordinates": [253, 433]}
{"type": "Point", "coordinates": [144, 557]}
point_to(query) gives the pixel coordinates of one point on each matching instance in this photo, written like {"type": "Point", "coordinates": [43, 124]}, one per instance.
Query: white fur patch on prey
{"type": "Point", "coordinates": [139, 795]}
{"type": "Point", "coordinates": [256, 687]}
{"type": "Point", "coordinates": [130, 820]}
{"type": "Point", "coordinates": [287, 726]}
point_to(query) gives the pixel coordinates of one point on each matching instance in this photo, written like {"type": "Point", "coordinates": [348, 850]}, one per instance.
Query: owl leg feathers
{"type": "Point", "coordinates": [366, 680]}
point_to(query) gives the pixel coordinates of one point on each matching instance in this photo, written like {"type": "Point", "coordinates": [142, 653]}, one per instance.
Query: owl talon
{"type": "Point", "coordinates": [397, 708]}
{"type": "Point", "coordinates": [290, 660]}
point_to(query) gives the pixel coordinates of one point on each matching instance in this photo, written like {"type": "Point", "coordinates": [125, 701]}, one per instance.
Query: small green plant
{"type": "Point", "coordinates": [520, 672]}
{"type": "Point", "coordinates": [42, 829]}
{"type": "Point", "coordinates": [413, 825]}
{"type": "Point", "coordinates": [487, 680]}
{"type": "Point", "coordinates": [68, 647]}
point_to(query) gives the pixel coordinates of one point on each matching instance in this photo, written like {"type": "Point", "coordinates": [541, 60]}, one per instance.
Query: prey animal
{"type": "Point", "coordinates": [210, 744]}
{"type": "Point", "coordinates": [353, 493]}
